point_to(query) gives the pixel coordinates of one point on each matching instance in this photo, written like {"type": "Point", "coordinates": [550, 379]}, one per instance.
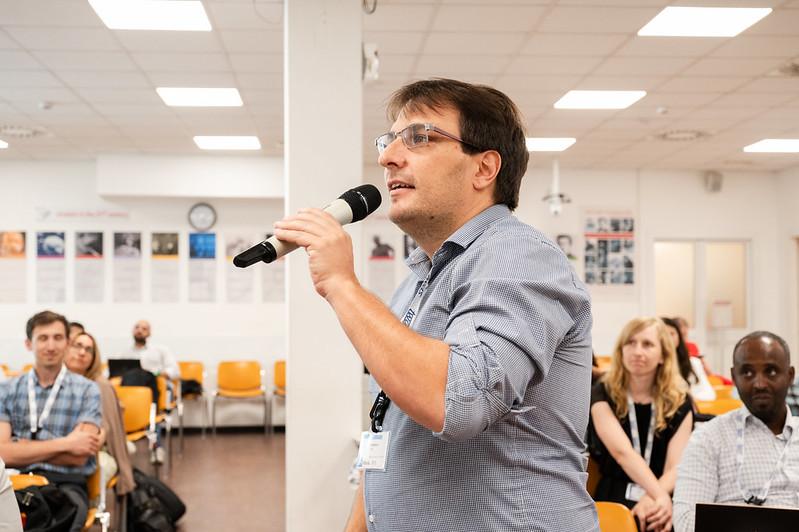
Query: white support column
{"type": "Point", "coordinates": [323, 157]}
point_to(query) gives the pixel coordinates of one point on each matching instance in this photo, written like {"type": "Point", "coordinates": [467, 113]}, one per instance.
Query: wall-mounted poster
{"type": "Point", "coordinates": [381, 263]}
{"type": "Point", "coordinates": [164, 268]}
{"type": "Point", "coordinates": [12, 267]}
{"type": "Point", "coordinates": [89, 267]}
{"type": "Point", "coordinates": [127, 267]}
{"type": "Point", "coordinates": [609, 248]}
{"type": "Point", "coordinates": [273, 279]}
{"type": "Point", "coordinates": [50, 267]}
{"type": "Point", "coordinates": [202, 267]}
{"type": "Point", "coordinates": [240, 281]}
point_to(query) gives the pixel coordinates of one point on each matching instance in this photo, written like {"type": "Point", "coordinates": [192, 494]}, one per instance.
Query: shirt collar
{"type": "Point", "coordinates": [790, 426]}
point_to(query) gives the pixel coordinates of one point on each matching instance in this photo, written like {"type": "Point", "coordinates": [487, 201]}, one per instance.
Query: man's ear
{"type": "Point", "coordinates": [489, 162]}
{"type": "Point", "coordinates": [28, 345]}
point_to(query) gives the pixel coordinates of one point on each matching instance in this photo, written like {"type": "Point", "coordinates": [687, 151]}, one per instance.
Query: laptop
{"type": "Point", "coordinates": [745, 518]}
{"type": "Point", "coordinates": [119, 366]}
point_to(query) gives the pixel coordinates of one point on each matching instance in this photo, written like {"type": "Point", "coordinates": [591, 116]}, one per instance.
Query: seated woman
{"type": "Point", "coordinates": [641, 419]}
{"type": "Point", "coordinates": [83, 358]}
{"type": "Point", "coordinates": [691, 368]}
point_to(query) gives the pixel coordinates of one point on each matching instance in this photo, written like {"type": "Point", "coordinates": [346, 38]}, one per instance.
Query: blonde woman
{"type": "Point", "coordinates": [641, 420]}
{"type": "Point", "coordinates": [83, 358]}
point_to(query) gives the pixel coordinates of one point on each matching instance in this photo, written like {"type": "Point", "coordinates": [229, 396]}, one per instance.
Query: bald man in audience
{"type": "Point", "coordinates": [154, 358]}
{"type": "Point", "coordinates": [749, 455]}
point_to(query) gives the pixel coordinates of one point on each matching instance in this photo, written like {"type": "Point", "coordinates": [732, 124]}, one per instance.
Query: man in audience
{"type": "Point", "coordinates": [154, 358]}
{"type": "Point", "coordinates": [739, 457]}
{"type": "Point", "coordinates": [50, 418]}
{"type": "Point", "coordinates": [484, 358]}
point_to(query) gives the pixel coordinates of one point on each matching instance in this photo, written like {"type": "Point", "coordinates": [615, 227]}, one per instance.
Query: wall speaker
{"type": "Point", "coordinates": [713, 181]}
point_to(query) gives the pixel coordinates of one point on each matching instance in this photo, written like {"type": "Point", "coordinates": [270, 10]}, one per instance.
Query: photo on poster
{"type": "Point", "coordinates": [609, 247]}
{"type": "Point", "coordinates": [127, 245]}
{"type": "Point", "coordinates": [235, 244]}
{"type": "Point", "coordinates": [50, 244]}
{"type": "Point", "coordinates": [566, 244]}
{"type": "Point", "coordinates": [164, 244]}
{"type": "Point", "coordinates": [88, 245]}
{"type": "Point", "coordinates": [12, 244]}
{"type": "Point", "coordinates": [409, 244]}
{"type": "Point", "coordinates": [380, 249]}
{"type": "Point", "coordinates": [202, 245]}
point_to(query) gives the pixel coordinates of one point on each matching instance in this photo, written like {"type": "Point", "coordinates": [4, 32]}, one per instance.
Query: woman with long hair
{"type": "Point", "coordinates": [83, 358]}
{"type": "Point", "coordinates": [641, 420]}
{"type": "Point", "coordinates": [691, 368]}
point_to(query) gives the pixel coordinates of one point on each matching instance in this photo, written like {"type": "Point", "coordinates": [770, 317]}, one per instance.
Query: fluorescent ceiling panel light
{"type": "Point", "coordinates": [3, 144]}
{"type": "Point", "coordinates": [549, 143]}
{"type": "Point", "coordinates": [774, 146]}
{"type": "Point", "coordinates": [176, 15]}
{"type": "Point", "coordinates": [229, 142]}
{"type": "Point", "coordinates": [199, 97]}
{"type": "Point", "coordinates": [599, 99]}
{"type": "Point", "coordinates": [702, 21]}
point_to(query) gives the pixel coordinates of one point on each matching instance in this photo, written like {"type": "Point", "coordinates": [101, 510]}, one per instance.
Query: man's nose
{"type": "Point", "coordinates": [393, 154]}
{"type": "Point", "coordinates": [760, 382]}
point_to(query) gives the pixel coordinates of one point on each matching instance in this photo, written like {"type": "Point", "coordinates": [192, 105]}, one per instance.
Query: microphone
{"type": "Point", "coordinates": [352, 206]}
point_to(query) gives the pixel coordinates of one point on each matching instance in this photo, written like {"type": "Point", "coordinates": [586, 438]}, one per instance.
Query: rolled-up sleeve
{"type": "Point", "coordinates": [697, 479]}
{"type": "Point", "coordinates": [5, 406]}
{"type": "Point", "coordinates": [506, 323]}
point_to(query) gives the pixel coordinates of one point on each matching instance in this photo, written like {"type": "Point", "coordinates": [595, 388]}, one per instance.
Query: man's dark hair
{"type": "Point", "coordinates": [489, 120]}
{"type": "Point", "coordinates": [46, 317]}
{"type": "Point", "coordinates": [760, 334]}
{"type": "Point", "coordinates": [77, 324]}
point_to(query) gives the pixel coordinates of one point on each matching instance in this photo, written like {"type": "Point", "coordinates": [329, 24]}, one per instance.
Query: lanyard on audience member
{"type": "Point", "coordinates": [748, 496]}
{"type": "Point", "coordinates": [382, 400]}
{"type": "Point", "coordinates": [647, 454]}
{"type": "Point", "coordinates": [38, 421]}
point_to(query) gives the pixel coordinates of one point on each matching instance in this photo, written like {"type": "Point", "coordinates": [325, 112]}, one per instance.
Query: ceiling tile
{"type": "Point", "coordinates": [60, 95]}
{"type": "Point", "coordinates": [715, 66]}
{"type": "Point", "coordinates": [252, 41]}
{"type": "Point", "coordinates": [488, 18]}
{"type": "Point", "coordinates": [397, 64]}
{"type": "Point", "coordinates": [559, 44]}
{"type": "Point", "coordinates": [781, 85]}
{"type": "Point", "coordinates": [261, 97]}
{"type": "Point", "coordinates": [540, 65]}
{"type": "Point", "coordinates": [112, 109]}
{"type": "Point", "coordinates": [627, 20]}
{"type": "Point", "coordinates": [182, 62]}
{"type": "Point", "coordinates": [65, 39]}
{"type": "Point", "coordinates": [393, 17]}
{"type": "Point", "coordinates": [28, 78]}
{"type": "Point", "coordinates": [137, 96]}
{"type": "Point", "coordinates": [454, 65]}
{"type": "Point", "coordinates": [759, 46]}
{"type": "Point", "coordinates": [258, 81]}
{"type": "Point", "coordinates": [662, 66]}
{"type": "Point", "coordinates": [6, 43]}
{"type": "Point", "coordinates": [66, 61]}
{"type": "Point", "coordinates": [680, 99]}
{"type": "Point", "coordinates": [780, 22]}
{"type": "Point", "coordinates": [172, 41]}
{"type": "Point", "coordinates": [536, 83]}
{"type": "Point", "coordinates": [472, 43]}
{"type": "Point", "coordinates": [619, 83]}
{"type": "Point", "coordinates": [54, 13]}
{"type": "Point", "coordinates": [717, 84]}
{"type": "Point", "coordinates": [166, 78]}
{"type": "Point", "coordinates": [17, 60]}
{"type": "Point", "coordinates": [245, 16]}
{"type": "Point", "coordinates": [269, 63]}
{"type": "Point", "coordinates": [669, 46]}
{"type": "Point", "coordinates": [110, 79]}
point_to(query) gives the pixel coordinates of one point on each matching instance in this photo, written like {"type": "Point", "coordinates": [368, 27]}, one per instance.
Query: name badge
{"type": "Point", "coordinates": [634, 492]}
{"type": "Point", "coordinates": [373, 451]}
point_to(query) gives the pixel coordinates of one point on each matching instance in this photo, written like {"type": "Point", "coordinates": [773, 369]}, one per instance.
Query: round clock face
{"type": "Point", "coordinates": [202, 216]}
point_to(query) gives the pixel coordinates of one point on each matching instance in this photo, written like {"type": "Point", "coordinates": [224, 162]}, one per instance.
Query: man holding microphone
{"type": "Point", "coordinates": [484, 356]}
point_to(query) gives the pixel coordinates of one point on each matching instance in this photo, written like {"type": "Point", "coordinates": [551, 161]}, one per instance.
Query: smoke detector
{"type": "Point", "coordinates": [21, 132]}
{"type": "Point", "coordinates": [682, 135]}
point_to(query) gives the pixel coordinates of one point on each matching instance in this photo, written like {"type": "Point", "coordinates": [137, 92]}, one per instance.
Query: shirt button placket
{"type": "Point", "coordinates": [371, 518]}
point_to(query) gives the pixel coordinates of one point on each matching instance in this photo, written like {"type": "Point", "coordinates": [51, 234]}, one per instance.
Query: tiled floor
{"type": "Point", "coordinates": [234, 481]}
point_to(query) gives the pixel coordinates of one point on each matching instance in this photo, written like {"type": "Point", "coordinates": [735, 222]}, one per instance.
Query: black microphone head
{"type": "Point", "coordinates": [259, 252]}
{"type": "Point", "coordinates": [363, 200]}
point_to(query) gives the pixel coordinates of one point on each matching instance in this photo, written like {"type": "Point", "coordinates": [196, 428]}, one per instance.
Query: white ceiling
{"type": "Point", "coordinates": [101, 83]}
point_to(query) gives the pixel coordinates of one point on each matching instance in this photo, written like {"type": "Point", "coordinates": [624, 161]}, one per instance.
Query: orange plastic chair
{"type": "Point", "coordinates": [718, 407]}
{"type": "Point", "coordinates": [280, 378]}
{"type": "Point", "coordinates": [615, 517]}
{"type": "Point", "coordinates": [240, 380]}
{"type": "Point", "coordinates": [26, 368]}
{"type": "Point", "coordinates": [191, 370]}
{"type": "Point", "coordinates": [715, 380]}
{"type": "Point", "coordinates": [26, 480]}
{"type": "Point", "coordinates": [723, 391]}
{"type": "Point", "coordinates": [593, 476]}
{"type": "Point", "coordinates": [603, 362]}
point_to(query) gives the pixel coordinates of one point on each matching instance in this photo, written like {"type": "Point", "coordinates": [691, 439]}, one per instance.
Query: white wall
{"type": "Point", "coordinates": [209, 332]}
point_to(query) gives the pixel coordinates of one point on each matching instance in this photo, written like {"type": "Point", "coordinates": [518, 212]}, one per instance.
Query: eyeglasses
{"type": "Point", "coordinates": [80, 347]}
{"type": "Point", "coordinates": [414, 136]}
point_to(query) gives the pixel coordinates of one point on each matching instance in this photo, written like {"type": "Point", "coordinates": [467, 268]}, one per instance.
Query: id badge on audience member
{"type": "Point", "coordinates": [634, 492]}
{"type": "Point", "coordinates": [373, 451]}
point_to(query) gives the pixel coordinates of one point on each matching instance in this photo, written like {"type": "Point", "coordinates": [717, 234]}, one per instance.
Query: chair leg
{"type": "Point", "coordinates": [267, 415]}
{"type": "Point", "coordinates": [213, 416]}
{"type": "Point", "coordinates": [180, 425]}
{"type": "Point", "coordinates": [204, 402]}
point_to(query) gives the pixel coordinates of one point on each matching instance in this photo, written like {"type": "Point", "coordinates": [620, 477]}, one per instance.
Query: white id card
{"type": "Point", "coordinates": [373, 450]}
{"type": "Point", "coordinates": [634, 492]}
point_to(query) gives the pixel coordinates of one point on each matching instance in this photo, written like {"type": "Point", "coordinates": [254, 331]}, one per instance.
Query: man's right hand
{"type": "Point", "coordinates": [82, 443]}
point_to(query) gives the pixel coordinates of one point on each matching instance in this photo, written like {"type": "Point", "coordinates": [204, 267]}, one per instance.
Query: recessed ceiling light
{"type": "Point", "coordinates": [3, 144]}
{"type": "Point", "coordinates": [229, 142]}
{"type": "Point", "coordinates": [774, 146]}
{"type": "Point", "coordinates": [599, 99]}
{"type": "Point", "coordinates": [199, 97]}
{"type": "Point", "coordinates": [703, 21]}
{"type": "Point", "coordinates": [176, 15]}
{"type": "Point", "coordinates": [549, 143]}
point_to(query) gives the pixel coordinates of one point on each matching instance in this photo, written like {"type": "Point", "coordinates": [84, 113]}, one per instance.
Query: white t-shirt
{"type": "Point", "coordinates": [156, 359]}
{"type": "Point", "coordinates": [701, 390]}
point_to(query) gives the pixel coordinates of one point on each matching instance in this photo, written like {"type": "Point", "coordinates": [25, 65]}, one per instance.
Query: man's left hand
{"type": "Point", "coordinates": [328, 245]}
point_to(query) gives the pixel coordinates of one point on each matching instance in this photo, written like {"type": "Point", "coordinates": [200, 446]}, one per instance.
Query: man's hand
{"type": "Point", "coordinates": [328, 245]}
{"type": "Point", "coordinates": [82, 443]}
{"type": "Point", "coordinates": [654, 513]}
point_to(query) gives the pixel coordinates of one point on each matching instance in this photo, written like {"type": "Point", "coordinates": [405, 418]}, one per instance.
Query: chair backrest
{"type": "Point", "coordinates": [280, 375]}
{"type": "Point", "coordinates": [615, 517]}
{"type": "Point", "coordinates": [26, 368]}
{"type": "Point", "coordinates": [715, 380]}
{"type": "Point", "coordinates": [594, 474]}
{"type": "Point", "coordinates": [718, 407]}
{"type": "Point", "coordinates": [239, 375]}
{"type": "Point", "coordinates": [723, 391]}
{"type": "Point", "coordinates": [191, 370]}
{"type": "Point", "coordinates": [26, 480]}
{"type": "Point", "coordinates": [136, 401]}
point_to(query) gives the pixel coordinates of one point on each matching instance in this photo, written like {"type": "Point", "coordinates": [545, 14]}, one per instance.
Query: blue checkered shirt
{"type": "Point", "coordinates": [510, 455]}
{"type": "Point", "coordinates": [78, 401]}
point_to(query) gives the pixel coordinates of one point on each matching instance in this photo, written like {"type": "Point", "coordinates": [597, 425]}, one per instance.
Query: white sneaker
{"type": "Point", "coordinates": [157, 456]}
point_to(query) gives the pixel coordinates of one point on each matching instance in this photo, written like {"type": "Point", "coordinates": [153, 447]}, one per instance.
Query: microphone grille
{"type": "Point", "coordinates": [363, 200]}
